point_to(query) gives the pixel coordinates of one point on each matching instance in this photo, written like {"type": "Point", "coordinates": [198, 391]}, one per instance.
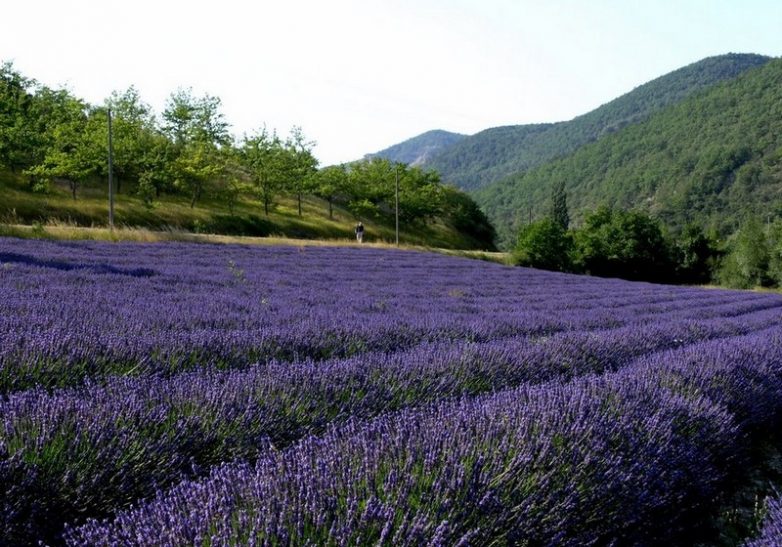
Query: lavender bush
{"type": "Point", "coordinates": [771, 531]}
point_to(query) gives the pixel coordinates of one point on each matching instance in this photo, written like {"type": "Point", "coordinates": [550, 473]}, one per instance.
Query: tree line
{"type": "Point", "coordinates": [51, 136]}
{"type": "Point", "coordinates": [630, 244]}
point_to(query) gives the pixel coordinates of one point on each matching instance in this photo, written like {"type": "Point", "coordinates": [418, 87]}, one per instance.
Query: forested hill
{"type": "Point", "coordinates": [420, 149]}
{"type": "Point", "coordinates": [709, 158]}
{"type": "Point", "coordinates": [493, 154]}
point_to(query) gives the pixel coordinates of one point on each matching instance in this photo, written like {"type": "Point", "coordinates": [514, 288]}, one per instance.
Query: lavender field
{"type": "Point", "coordinates": [180, 394]}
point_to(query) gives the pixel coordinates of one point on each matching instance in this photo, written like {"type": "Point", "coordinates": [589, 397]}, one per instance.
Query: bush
{"type": "Point", "coordinates": [544, 245]}
{"type": "Point", "coordinates": [626, 244]}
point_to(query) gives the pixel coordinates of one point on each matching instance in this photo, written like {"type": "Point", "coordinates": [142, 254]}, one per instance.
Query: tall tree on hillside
{"type": "Point", "coordinates": [371, 183]}
{"type": "Point", "coordinates": [198, 164]}
{"type": "Point", "coordinates": [179, 116]}
{"type": "Point", "coordinates": [15, 104]}
{"type": "Point", "coordinates": [187, 118]}
{"type": "Point", "coordinates": [133, 128]}
{"type": "Point", "coordinates": [157, 169]}
{"type": "Point", "coordinates": [746, 265]}
{"type": "Point", "coordinates": [330, 182]}
{"type": "Point", "coordinates": [301, 164]}
{"type": "Point", "coordinates": [420, 194]}
{"type": "Point", "coordinates": [78, 149]}
{"type": "Point", "coordinates": [263, 155]}
{"type": "Point", "coordinates": [558, 209]}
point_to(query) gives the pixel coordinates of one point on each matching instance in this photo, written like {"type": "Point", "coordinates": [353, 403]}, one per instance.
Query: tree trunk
{"type": "Point", "coordinates": [73, 189]}
{"type": "Point", "coordinates": [331, 209]}
{"type": "Point", "coordinates": [299, 196]}
{"type": "Point", "coordinates": [266, 205]}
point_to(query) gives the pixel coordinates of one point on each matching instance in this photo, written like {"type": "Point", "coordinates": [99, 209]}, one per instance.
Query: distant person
{"type": "Point", "coordinates": [360, 232]}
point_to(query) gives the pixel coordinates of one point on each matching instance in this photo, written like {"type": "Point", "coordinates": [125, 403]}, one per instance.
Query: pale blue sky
{"type": "Point", "coordinates": [359, 75]}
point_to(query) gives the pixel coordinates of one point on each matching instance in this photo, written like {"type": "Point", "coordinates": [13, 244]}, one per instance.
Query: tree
{"type": "Point", "coordinates": [694, 254]}
{"type": "Point", "coordinates": [330, 182]}
{"type": "Point", "coordinates": [198, 164]}
{"type": "Point", "coordinates": [133, 131]}
{"type": "Point", "coordinates": [156, 167]}
{"type": "Point", "coordinates": [544, 244]}
{"type": "Point", "coordinates": [78, 149]}
{"type": "Point", "coordinates": [464, 215]}
{"type": "Point", "coordinates": [17, 136]}
{"type": "Point", "coordinates": [301, 165]}
{"type": "Point", "coordinates": [263, 156]}
{"type": "Point", "coordinates": [747, 263]}
{"type": "Point", "coordinates": [187, 118]}
{"type": "Point", "coordinates": [626, 244]}
{"type": "Point", "coordinates": [559, 212]}
{"type": "Point", "coordinates": [420, 194]}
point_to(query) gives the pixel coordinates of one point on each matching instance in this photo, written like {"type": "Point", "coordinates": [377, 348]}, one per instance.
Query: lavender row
{"type": "Point", "coordinates": [74, 311]}
{"type": "Point", "coordinates": [122, 440]}
{"type": "Point", "coordinates": [91, 450]}
{"type": "Point", "coordinates": [555, 483]}
{"type": "Point", "coordinates": [633, 457]}
{"type": "Point", "coordinates": [771, 530]}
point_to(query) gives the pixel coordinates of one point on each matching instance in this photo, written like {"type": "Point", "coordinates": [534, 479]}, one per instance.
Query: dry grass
{"type": "Point", "coordinates": [58, 230]}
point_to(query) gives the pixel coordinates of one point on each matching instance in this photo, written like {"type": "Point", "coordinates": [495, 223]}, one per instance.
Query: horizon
{"type": "Point", "coordinates": [359, 77]}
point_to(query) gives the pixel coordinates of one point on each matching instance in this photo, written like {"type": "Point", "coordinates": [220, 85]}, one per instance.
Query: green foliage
{"type": "Point", "coordinates": [78, 149]}
{"type": "Point", "coordinates": [464, 215]}
{"type": "Point", "coordinates": [544, 244]}
{"type": "Point", "coordinates": [330, 182]}
{"type": "Point", "coordinates": [774, 243]}
{"type": "Point", "coordinates": [709, 159]}
{"type": "Point", "coordinates": [497, 153]}
{"type": "Point", "coordinates": [300, 165]}
{"type": "Point", "coordinates": [263, 156]}
{"type": "Point", "coordinates": [694, 254]}
{"type": "Point", "coordinates": [198, 165]}
{"type": "Point", "coordinates": [559, 212]}
{"type": "Point", "coordinates": [746, 264]}
{"type": "Point", "coordinates": [134, 138]}
{"type": "Point", "coordinates": [17, 137]}
{"type": "Point", "coordinates": [187, 118]}
{"type": "Point", "coordinates": [627, 244]}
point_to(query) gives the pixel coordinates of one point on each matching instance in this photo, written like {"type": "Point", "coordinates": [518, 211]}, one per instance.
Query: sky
{"type": "Point", "coordinates": [360, 75]}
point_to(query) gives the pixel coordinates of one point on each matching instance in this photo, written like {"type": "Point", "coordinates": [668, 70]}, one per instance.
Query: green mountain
{"type": "Point", "coordinates": [493, 154]}
{"type": "Point", "coordinates": [709, 158]}
{"type": "Point", "coordinates": [420, 149]}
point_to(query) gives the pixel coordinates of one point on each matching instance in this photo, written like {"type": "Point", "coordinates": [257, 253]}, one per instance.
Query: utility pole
{"type": "Point", "coordinates": [111, 178]}
{"type": "Point", "coordinates": [396, 195]}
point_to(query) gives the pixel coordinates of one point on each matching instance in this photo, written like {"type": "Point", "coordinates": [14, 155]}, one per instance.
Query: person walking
{"type": "Point", "coordinates": [360, 232]}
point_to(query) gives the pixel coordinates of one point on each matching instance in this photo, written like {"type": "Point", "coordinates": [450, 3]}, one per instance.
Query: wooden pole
{"type": "Point", "coordinates": [111, 178]}
{"type": "Point", "coordinates": [396, 209]}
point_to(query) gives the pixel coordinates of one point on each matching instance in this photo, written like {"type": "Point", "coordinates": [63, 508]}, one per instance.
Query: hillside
{"type": "Point", "coordinates": [18, 205]}
{"type": "Point", "coordinates": [420, 149]}
{"type": "Point", "coordinates": [709, 158]}
{"type": "Point", "coordinates": [496, 153]}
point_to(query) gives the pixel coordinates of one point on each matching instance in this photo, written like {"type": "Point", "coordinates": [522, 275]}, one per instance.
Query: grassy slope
{"type": "Point", "coordinates": [20, 206]}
